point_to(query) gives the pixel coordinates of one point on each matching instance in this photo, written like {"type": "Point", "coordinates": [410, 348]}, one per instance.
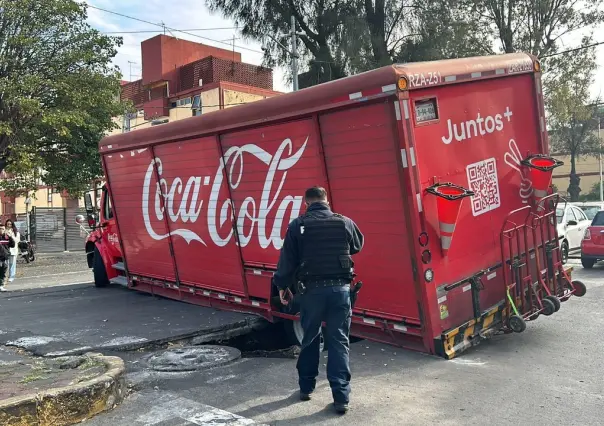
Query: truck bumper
{"type": "Point", "coordinates": [454, 341]}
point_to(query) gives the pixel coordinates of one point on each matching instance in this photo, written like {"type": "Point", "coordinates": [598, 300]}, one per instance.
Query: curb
{"type": "Point", "coordinates": [70, 404]}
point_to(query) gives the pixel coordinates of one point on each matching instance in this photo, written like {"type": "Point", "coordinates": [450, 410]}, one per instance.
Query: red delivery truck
{"type": "Point", "coordinates": [443, 165]}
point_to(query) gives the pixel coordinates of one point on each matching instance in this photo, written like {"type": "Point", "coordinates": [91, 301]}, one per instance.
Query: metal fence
{"type": "Point", "coordinates": [53, 229]}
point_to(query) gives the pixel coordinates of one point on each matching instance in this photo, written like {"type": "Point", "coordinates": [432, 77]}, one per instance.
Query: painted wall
{"type": "Point", "coordinates": [234, 98]}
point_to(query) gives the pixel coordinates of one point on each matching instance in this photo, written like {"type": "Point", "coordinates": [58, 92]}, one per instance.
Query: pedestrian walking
{"type": "Point", "coordinates": [316, 255]}
{"type": "Point", "coordinates": [6, 243]}
{"type": "Point", "coordinates": [11, 229]}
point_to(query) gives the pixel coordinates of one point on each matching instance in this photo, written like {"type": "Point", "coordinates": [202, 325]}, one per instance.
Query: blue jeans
{"type": "Point", "coordinates": [12, 268]}
{"type": "Point", "coordinates": [332, 305]}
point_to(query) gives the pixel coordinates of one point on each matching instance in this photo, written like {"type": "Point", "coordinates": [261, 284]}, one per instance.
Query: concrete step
{"type": "Point", "coordinates": [120, 280]}
{"type": "Point", "coordinates": [119, 266]}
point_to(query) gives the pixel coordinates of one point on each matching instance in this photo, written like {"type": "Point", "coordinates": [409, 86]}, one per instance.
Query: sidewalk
{"type": "Point", "coordinates": [57, 391]}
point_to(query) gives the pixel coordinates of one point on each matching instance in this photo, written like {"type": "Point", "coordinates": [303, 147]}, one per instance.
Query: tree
{"type": "Point", "coordinates": [341, 37]}
{"type": "Point", "coordinates": [572, 115]}
{"type": "Point", "coordinates": [536, 26]}
{"type": "Point", "coordinates": [58, 91]}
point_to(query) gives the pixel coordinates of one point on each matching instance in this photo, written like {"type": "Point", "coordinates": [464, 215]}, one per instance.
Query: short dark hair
{"type": "Point", "coordinates": [316, 193]}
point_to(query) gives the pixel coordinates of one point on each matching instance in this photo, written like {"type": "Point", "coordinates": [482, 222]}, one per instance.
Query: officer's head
{"type": "Point", "coordinates": [316, 194]}
{"type": "Point", "coordinates": [2, 229]}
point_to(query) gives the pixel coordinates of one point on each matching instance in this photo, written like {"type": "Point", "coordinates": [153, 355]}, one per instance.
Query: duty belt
{"type": "Point", "coordinates": [333, 282]}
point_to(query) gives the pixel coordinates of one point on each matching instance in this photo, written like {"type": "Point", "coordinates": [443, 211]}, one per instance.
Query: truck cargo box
{"type": "Point", "coordinates": [441, 164]}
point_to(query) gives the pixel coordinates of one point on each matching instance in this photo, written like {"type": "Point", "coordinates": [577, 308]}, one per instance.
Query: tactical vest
{"type": "Point", "coordinates": [325, 251]}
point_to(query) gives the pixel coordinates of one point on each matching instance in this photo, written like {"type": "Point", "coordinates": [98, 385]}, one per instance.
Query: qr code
{"type": "Point", "coordinates": [482, 180]}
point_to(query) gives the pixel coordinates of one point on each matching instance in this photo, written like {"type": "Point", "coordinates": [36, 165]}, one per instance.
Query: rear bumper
{"type": "Point", "coordinates": [455, 341]}
{"type": "Point", "coordinates": [592, 251]}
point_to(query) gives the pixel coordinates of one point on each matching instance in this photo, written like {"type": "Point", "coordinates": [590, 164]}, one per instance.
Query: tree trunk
{"type": "Point", "coordinates": [376, 21]}
{"type": "Point", "coordinates": [573, 188]}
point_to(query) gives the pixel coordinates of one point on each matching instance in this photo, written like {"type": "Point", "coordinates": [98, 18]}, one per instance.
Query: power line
{"type": "Point", "coordinates": [169, 28]}
{"type": "Point", "coordinates": [154, 31]}
{"type": "Point", "coordinates": [573, 50]}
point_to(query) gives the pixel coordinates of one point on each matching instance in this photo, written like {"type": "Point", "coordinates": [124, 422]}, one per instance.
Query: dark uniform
{"type": "Point", "coordinates": [317, 251]}
{"type": "Point", "coordinates": [6, 243]}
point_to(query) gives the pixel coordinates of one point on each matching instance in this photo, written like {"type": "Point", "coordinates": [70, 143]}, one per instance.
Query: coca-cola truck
{"type": "Point", "coordinates": [443, 165]}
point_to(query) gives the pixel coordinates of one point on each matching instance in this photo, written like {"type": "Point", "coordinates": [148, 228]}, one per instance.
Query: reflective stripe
{"type": "Point", "coordinates": [476, 74]}
{"type": "Point", "coordinates": [406, 109]}
{"type": "Point", "coordinates": [355, 95]}
{"type": "Point", "coordinates": [540, 193]}
{"type": "Point", "coordinates": [404, 158]}
{"type": "Point", "coordinates": [412, 154]}
{"type": "Point", "coordinates": [389, 88]}
{"type": "Point", "coordinates": [447, 227]}
{"type": "Point", "coordinates": [451, 78]}
{"type": "Point", "coordinates": [419, 202]}
{"type": "Point", "coordinates": [397, 110]}
{"type": "Point", "coordinates": [499, 71]}
{"type": "Point", "coordinates": [445, 242]}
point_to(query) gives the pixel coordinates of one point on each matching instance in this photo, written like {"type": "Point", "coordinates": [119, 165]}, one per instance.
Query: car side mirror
{"type": "Point", "coordinates": [80, 219]}
{"type": "Point", "coordinates": [572, 223]}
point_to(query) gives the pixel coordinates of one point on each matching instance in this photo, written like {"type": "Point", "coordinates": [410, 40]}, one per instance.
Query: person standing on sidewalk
{"type": "Point", "coordinates": [6, 243]}
{"type": "Point", "coordinates": [316, 253]}
{"type": "Point", "coordinates": [11, 229]}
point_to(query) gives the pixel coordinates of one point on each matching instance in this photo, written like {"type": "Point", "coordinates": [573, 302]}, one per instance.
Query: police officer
{"type": "Point", "coordinates": [317, 254]}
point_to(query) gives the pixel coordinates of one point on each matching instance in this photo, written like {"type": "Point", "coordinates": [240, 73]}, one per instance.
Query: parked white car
{"type": "Point", "coordinates": [590, 208]}
{"type": "Point", "coordinates": [572, 223]}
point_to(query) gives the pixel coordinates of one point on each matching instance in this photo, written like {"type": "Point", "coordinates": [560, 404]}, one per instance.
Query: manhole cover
{"type": "Point", "coordinates": [192, 358]}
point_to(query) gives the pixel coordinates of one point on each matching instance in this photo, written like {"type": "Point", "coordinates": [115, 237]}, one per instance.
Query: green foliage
{"type": "Point", "coordinates": [60, 93]}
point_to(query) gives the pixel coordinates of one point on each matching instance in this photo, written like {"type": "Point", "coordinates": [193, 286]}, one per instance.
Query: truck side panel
{"type": "Point", "coordinates": [268, 169]}
{"type": "Point", "coordinates": [192, 178]}
{"type": "Point", "coordinates": [483, 131]}
{"type": "Point", "coordinates": [361, 155]}
{"type": "Point", "coordinates": [133, 179]}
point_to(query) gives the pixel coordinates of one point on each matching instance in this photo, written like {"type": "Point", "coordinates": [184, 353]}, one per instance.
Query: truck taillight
{"type": "Point", "coordinates": [587, 235]}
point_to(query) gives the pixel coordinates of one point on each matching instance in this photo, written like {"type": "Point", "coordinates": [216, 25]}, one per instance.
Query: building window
{"type": "Point", "coordinates": [183, 102]}
{"type": "Point", "coordinates": [173, 105]}
{"type": "Point", "coordinates": [196, 105]}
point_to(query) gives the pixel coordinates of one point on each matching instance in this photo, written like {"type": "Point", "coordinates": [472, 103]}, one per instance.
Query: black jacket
{"type": "Point", "coordinates": [289, 260]}
{"type": "Point", "coordinates": [6, 243]}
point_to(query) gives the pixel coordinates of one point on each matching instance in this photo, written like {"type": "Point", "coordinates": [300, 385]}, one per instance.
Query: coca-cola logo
{"type": "Point", "coordinates": [160, 204]}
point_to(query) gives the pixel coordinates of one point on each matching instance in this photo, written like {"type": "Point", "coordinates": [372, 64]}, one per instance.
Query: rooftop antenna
{"type": "Point", "coordinates": [130, 65]}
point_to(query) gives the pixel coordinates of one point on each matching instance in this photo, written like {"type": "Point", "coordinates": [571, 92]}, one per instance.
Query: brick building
{"type": "Point", "coordinates": [181, 78]}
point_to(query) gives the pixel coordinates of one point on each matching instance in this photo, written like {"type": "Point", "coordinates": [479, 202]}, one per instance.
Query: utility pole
{"type": "Point", "coordinates": [294, 54]}
{"type": "Point", "coordinates": [600, 158]}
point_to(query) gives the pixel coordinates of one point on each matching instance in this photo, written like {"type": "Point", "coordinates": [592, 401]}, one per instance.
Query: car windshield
{"type": "Point", "coordinates": [559, 215]}
{"type": "Point", "coordinates": [598, 219]}
{"type": "Point", "coordinates": [590, 211]}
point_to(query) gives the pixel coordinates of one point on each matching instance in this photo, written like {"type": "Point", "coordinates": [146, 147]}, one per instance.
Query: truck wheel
{"type": "Point", "coordinates": [587, 263]}
{"type": "Point", "coordinates": [548, 307]}
{"type": "Point", "coordinates": [564, 252]}
{"type": "Point", "coordinates": [517, 324]}
{"type": "Point", "coordinates": [580, 288]}
{"type": "Point", "coordinates": [295, 333]}
{"type": "Point", "coordinates": [98, 269]}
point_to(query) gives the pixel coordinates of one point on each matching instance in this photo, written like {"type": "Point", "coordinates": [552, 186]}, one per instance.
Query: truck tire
{"type": "Point", "coordinates": [295, 334]}
{"type": "Point", "coordinates": [98, 269]}
{"type": "Point", "coordinates": [587, 263]}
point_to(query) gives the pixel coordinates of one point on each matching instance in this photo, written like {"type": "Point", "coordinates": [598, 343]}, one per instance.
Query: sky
{"type": "Point", "coordinates": [193, 14]}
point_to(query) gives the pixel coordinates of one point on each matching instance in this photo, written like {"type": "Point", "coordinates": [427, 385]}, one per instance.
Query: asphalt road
{"type": "Point", "coordinates": [549, 375]}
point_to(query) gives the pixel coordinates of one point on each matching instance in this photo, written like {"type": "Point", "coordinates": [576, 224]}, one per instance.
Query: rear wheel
{"type": "Point", "coordinates": [555, 301]}
{"type": "Point", "coordinates": [98, 269]}
{"type": "Point", "coordinates": [548, 307]}
{"type": "Point", "coordinates": [580, 288]}
{"type": "Point", "coordinates": [517, 324]}
{"type": "Point", "coordinates": [587, 263]}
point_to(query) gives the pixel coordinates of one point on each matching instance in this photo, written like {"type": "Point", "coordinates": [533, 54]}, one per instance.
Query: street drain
{"type": "Point", "coordinates": [192, 358]}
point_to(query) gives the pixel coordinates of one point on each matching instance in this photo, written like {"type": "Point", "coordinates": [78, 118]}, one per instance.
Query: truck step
{"type": "Point", "coordinates": [120, 280]}
{"type": "Point", "coordinates": [119, 266]}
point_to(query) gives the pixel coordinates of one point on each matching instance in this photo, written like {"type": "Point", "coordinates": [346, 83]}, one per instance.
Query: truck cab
{"type": "Point", "coordinates": [103, 249]}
